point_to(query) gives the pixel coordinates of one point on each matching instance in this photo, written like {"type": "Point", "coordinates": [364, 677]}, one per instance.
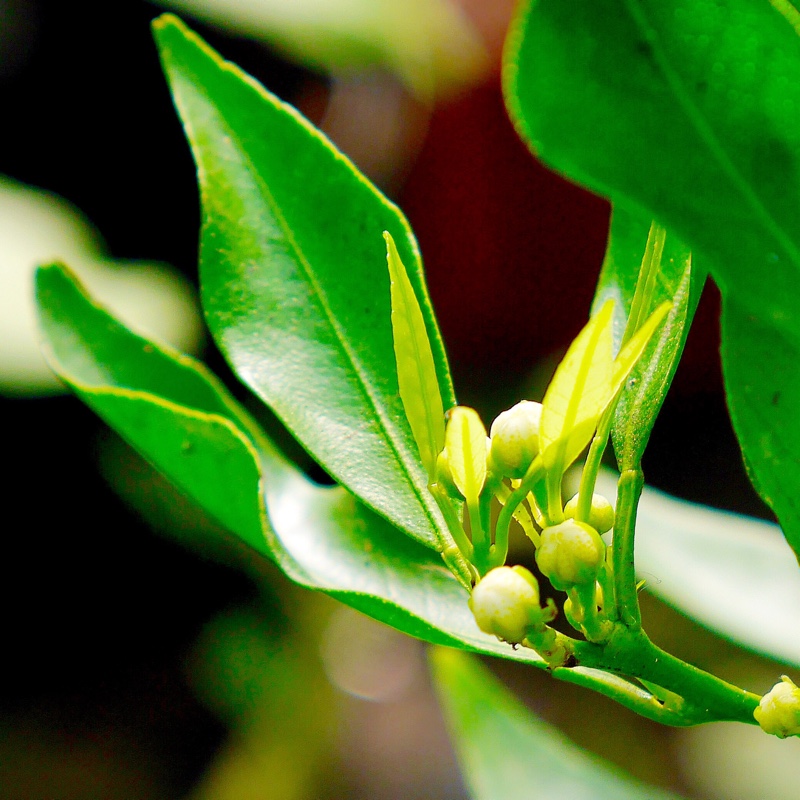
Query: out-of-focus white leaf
{"type": "Point", "coordinates": [429, 44]}
{"type": "Point", "coordinates": [36, 228]}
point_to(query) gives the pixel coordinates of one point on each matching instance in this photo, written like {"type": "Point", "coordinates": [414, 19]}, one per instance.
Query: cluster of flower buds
{"type": "Point", "coordinates": [778, 712]}
{"type": "Point", "coordinates": [475, 468]}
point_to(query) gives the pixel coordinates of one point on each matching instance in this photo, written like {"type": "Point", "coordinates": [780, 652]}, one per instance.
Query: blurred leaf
{"type": "Point", "coordinates": [321, 538]}
{"type": "Point", "coordinates": [509, 754]}
{"type": "Point", "coordinates": [686, 112]}
{"type": "Point", "coordinates": [429, 44]}
{"type": "Point", "coordinates": [733, 574]}
{"type": "Point", "coordinates": [671, 278]}
{"type": "Point", "coordinates": [416, 369]}
{"type": "Point", "coordinates": [36, 227]}
{"type": "Point", "coordinates": [294, 281]}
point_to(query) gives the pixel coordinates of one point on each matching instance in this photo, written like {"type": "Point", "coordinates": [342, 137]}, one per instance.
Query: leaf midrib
{"type": "Point", "coordinates": [365, 387]}
{"type": "Point", "coordinates": [706, 132]}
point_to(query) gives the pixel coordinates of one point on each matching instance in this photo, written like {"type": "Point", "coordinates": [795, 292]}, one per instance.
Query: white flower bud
{"type": "Point", "coordinates": [778, 712]}
{"type": "Point", "coordinates": [506, 603]}
{"type": "Point", "coordinates": [601, 516]}
{"type": "Point", "coordinates": [570, 554]}
{"type": "Point", "coordinates": [515, 438]}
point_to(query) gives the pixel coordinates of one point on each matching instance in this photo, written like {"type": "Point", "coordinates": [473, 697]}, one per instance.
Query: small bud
{"type": "Point", "coordinates": [515, 438]}
{"type": "Point", "coordinates": [601, 516]}
{"type": "Point", "coordinates": [506, 603]}
{"type": "Point", "coordinates": [570, 554]}
{"type": "Point", "coordinates": [778, 712]}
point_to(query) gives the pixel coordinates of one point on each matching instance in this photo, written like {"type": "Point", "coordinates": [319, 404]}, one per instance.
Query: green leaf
{"type": "Point", "coordinates": [577, 394]}
{"type": "Point", "coordinates": [466, 448]}
{"type": "Point", "coordinates": [668, 275]}
{"type": "Point", "coordinates": [292, 279]}
{"type": "Point", "coordinates": [733, 574]}
{"type": "Point", "coordinates": [416, 369]}
{"type": "Point", "coordinates": [762, 379]}
{"type": "Point", "coordinates": [185, 423]}
{"type": "Point", "coordinates": [686, 112]}
{"type": "Point", "coordinates": [507, 753]}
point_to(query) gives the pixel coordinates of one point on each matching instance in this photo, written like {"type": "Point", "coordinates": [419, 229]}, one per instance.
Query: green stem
{"type": "Point", "coordinates": [554, 647]}
{"type": "Point", "coordinates": [694, 695]}
{"type": "Point", "coordinates": [592, 465]}
{"type": "Point", "coordinates": [499, 549]}
{"type": "Point", "coordinates": [606, 581]}
{"type": "Point", "coordinates": [626, 599]}
{"type": "Point", "coordinates": [454, 525]}
{"type": "Point", "coordinates": [480, 539]}
{"type": "Point", "coordinates": [622, 691]}
{"type": "Point", "coordinates": [584, 609]}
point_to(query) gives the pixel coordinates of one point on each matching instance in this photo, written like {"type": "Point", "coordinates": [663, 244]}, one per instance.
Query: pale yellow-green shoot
{"type": "Point", "coordinates": [466, 451]}
{"type": "Point", "coordinates": [416, 369]}
{"type": "Point", "coordinates": [578, 393]}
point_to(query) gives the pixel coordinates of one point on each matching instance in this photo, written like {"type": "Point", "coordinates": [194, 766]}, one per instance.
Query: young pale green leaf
{"type": "Point", "coordinates": [466, 450]}
{"type": "Point", "coordinates": [291, 280]}
{"type": "Point", "coordinates": [506, 753]}
{"type": "Point", "coordinates": [733, 574]}
{"type": "Point", "coordinates": [668, 274]}
{"type": "Point", "coordinates": [687, 111]}
{"type": "Point", "coordinates": [578, 393]}
{"type": "Point", "coordinates": [416, 370]}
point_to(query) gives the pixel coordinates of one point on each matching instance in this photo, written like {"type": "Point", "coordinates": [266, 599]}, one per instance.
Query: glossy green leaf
{"type": "Point", "coordinates": [733, 574]}
{"type": "Point", "coordinates": [507, 753]}
{"type": "Point", "coordinates": [687, 112]}
{"type": "Point", "coordinates": [577, 394]}
{"type": "Point", "coordinates": [669, 276]}
{"type": "Point", "coordinates": [762, 379]}
{"type": "Point", "coordinates": [466, 449]}
{"type": "Point", "coordinates": [294, 281]}
{"type": "Point", "coordinates": [186, 424]}
{"type": "Point", "coordinates": [416, 369]}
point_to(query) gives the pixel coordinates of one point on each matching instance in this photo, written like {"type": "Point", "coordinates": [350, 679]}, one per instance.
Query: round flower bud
{"type": "Point", "coordinates": [778, 712]}
{"type": "Point", "coordinates": [601, 516]}
{"type": "Point", "coordinates": [570, 554]}
{"type": "Point", "coordinates": [515, 439]}
{"type": "Point", "coordinates": [506, 603]}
